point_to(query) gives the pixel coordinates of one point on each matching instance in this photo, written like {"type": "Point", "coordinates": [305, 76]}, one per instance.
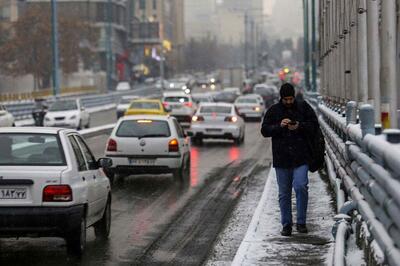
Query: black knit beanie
{"type": "Point", "coordinates": [287, 90]}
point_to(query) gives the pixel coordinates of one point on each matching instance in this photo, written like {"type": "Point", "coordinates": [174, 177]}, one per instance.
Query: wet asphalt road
{"type": "Point", "coordinates": [144, 207]}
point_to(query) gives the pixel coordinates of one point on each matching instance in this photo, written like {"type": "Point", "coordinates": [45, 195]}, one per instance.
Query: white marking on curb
{"type": "Point", "coordinates": [255, 221]}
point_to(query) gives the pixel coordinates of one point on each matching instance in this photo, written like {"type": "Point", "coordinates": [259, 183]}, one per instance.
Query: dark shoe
{"type": "Point", "coordinates": [301, 228]}
{"type": "Point", "coordinates": [286, 230]}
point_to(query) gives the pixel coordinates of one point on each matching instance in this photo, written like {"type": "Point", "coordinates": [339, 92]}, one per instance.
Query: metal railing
{"type": "Point", "coordinates": [22, 110]}
{"type": "Point", "coordinates": [363, 165]}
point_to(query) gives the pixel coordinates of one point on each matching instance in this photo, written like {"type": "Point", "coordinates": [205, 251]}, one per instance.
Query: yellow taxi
{"type": "Point", "coordinates": [146, 107]}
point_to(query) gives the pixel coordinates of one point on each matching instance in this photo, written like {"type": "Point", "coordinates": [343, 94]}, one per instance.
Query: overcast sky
{"type": "Point", "coordinates": [286, 17]}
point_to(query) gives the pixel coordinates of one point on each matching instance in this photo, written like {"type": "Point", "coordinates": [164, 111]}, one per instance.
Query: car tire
{"type": "Point", "coordinates": [13, 125]}
{"type": "Point", "coordinates": [88, 124]}
{"type": "Point", "coordinates": [76, 239]}
{"type": "Point", "coordinates": [197, 141]}
{"type": "Point", "coordinates": [178, 174]}
{"type": "Point", "coordinates": [79, 125]}
{"type": "Point", "coordinates": [243, 137]}
{"type": "Point", "coordinates": [102, 228]}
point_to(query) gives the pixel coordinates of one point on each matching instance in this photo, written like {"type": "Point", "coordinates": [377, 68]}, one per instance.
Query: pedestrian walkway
{"type": "Point", "coordinates": [263, 244]}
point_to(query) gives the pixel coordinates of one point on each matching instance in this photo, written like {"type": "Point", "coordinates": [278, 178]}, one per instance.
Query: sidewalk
{"type": "Point", "coordinates": [263, 244]}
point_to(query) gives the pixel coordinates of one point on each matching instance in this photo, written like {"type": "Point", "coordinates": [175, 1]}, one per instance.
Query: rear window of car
{"type": "Point", "coordinates": [63, 106]}
{"type": "Point", "coordinates": [202, 99]}
{"type": "Point", "coordinates": [144, 105]}
{"type": "Point", "coordinates": [31, 149]}
{"type": "Point", "coordinates": [125, 101]}
{"type": "Point", "coordinates": [216, 109]}
{"type": "Point", "coordinates": [143, 128]}
{"type": "Point", "coordinates": [176, 99]}
{"type": "Point", "coordinates": [247, 100]}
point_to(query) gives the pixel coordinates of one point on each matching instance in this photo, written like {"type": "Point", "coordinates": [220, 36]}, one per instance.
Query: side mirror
{"type": "Point", "coordinates": [105, 163]}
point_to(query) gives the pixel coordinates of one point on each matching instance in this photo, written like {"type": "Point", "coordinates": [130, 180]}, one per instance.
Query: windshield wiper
{"type": "Point", "coordinates": [152, 136]}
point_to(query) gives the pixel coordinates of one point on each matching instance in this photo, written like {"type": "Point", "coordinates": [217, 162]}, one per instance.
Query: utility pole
{"type": "Point", "coordinates": [388, 64]}
{"type": "Point", "coordinates": [108, 43]}
{"type": "Point", "coordinates": [245, 42]}
{"type": "Point", "coordinates": [54, 44]}
{"type": "Point", "coordinates": [374, 94]}
{"type": "Point", "coordinates": [306, 46]}
{"type": "Point", "coordinates": [313, 48]}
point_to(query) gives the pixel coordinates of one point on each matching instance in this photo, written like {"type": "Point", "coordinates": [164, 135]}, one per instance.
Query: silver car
{"type": "Point", "coordinates": [217, 121]}
{"type": "Point", "coordinates": [250, 106]}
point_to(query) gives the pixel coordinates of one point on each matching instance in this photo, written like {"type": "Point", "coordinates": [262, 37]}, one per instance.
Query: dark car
{"type": "Point", "coordinates": [225, 97]}
{"type": "Point", "coordinates": [270, 94]}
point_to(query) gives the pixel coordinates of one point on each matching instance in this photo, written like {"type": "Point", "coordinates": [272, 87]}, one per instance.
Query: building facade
{"type": "Point", "coordinates": [156, 24]}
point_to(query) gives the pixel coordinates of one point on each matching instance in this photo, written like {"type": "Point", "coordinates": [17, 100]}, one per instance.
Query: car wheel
{"type": "Point", "coordinates": [76, 239]}
{"type": "Point", "coordinates": [13, 125]}
{"type": "Point", "coordinates": [187, 169]}
{"type": "Point", "coordinates": [102, 227]}
{"type": "Point", "coordinates": [88, 124]}
{"type": "Point", "coordinates": [243, 138]}
{"type": "Point", "coordinates": [79, 125]}
{"type": "Point", "coordinates": [178, 174]}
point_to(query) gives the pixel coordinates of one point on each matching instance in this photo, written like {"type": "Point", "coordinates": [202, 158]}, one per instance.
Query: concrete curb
{"type": "Point", "coordinates": [255, 221]}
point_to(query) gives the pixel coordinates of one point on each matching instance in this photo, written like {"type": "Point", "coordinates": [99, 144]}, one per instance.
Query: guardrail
{"type": "Point", "coordinates": [23, 109]}
{"type": "Point", "coordinates": [363, 165]}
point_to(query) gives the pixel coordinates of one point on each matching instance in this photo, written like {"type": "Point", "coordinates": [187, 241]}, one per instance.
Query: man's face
{"type": "Point", "coordinates": [288, 101]}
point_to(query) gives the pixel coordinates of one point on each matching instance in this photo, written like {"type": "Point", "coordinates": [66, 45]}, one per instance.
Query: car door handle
{"type": "Point", "coordinates": [83, 178]}
{"type": "Point", "coordinates": [94, 176]}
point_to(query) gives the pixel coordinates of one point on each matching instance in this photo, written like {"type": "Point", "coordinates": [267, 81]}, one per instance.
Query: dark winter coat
{"type": "Point", "coordinates": [290, 148]}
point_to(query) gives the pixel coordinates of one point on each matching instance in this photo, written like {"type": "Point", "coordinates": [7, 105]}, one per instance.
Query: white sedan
{"type": "Point", "coordinates": [250, 106]}
{"type": "Point", "coordinates": [67, 114]}
{"type": "Point", "coordinates": [52, 185]}
{"type": "Point", "coordinates": [217, 121]}
{"type": "Point", "coordinates": [6, 118]}
{"type": "Point", "coordinates": [149, 144]}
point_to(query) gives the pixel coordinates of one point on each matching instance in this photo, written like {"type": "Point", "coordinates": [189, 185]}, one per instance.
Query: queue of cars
{"type": "Point", "coordinates": [52, 185]}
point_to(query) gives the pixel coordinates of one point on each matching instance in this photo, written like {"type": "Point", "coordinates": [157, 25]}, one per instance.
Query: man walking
{"type": "Point", "coordinates": [289, 122]}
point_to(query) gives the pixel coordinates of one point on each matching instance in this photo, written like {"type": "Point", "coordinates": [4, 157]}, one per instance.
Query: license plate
{"type": "Point", "coordinates": [12, 193]}
{"type": "Point", "coordinates": [142, 161]}
{"type": "Point", "coordinates": [214, 130]}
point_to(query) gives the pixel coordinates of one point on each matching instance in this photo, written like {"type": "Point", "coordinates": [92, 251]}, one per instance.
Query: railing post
{"type": "Point", "coordinates": [351, 113]}
{"type": "Point", "coordinates": [367, 118]}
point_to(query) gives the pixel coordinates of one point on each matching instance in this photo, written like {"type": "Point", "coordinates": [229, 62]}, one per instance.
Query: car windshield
{"type": "Point", "coordinates": [144, 105]}
{"type": "Point", "coordinates": [176, 99]}
{"type": "Point", "coordinates": [246, 100]}
{"type": "Point", "coordinates": [215, 109]}
{"type": "Point", "coordinates": [125, 101]}
{"type": "Point", "coordinates": [143, 128]}
{"type": "Point", "coordinates": [63, 106]}
{"type": "Point", "coordinates": [31, 149]}
{"type": "Point", "coordinates": [202, 99]}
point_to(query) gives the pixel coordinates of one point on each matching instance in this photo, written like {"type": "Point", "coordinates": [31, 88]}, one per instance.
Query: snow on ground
{"type": "Point", "coordinates": [263, 244]}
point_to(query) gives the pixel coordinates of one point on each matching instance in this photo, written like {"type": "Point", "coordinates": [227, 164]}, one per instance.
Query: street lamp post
{"type": "Point", "coordinates": [54, 44]}
{"type": "Point", "coordinates": [109, 45]}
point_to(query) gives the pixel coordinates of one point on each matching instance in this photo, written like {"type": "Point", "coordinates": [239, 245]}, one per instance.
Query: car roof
{"type": "Point", "coordinates": [150, 117]}
{"type": "Point", "coordinates": [147, 100]}
{"type": "Point", "coordinates": [217, 104]}
{"type": "Point", "coordinates": [43, 130]}
{"type": "Point", "coordinates": [175, 93]}
{"type": "Point", "coordinates": [253, 96]}
{"type": "Point", "coordinates": [130, 97]}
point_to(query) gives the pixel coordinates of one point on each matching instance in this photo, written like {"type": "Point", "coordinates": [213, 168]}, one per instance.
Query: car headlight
{"type": "Point", "coordinates": [73, 117]}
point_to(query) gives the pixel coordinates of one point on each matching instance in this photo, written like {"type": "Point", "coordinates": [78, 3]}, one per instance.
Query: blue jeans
{"type": "Point", "coordinates": [296, 178]}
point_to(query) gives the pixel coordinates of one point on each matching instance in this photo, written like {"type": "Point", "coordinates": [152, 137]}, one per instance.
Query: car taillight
{"type": "Point", "coordinates": [197, 118]}
{"type": "Point", "coordinates": [173, 145]}
{"type": "Point", "coordinates": [57, 193]}
{"type": "Point", "coordinates": [232, 119]}
{"type": "Point", "coordinates": [111, 145]}
{"type": "Point", "coordinates": [188, 104]}
{"type": "Point", "coordinates": [165, 104]}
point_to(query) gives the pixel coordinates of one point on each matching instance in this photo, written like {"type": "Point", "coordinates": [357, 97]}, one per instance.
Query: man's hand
{"type": "Point", "coordinates": [285, 122]}
{"type": "Point", "coordinates": [293, 126]}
